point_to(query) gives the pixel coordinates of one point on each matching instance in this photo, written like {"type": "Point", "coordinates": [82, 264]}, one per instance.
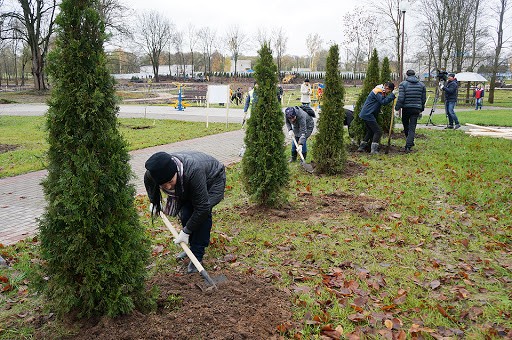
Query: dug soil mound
{"type": "Point", "coordinates": [243, 307]}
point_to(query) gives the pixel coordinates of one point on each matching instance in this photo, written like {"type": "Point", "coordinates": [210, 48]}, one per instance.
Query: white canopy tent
{"type": "Point", "coordinates": [469, 77]}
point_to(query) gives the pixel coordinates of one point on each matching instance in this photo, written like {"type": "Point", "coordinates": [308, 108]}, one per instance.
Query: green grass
{"type": "Point", "coordinates": [471, 116]}
{"type": "Point", "coordinates": [431, 247]}
{"type": "Point", "coordinates": [28, 135]}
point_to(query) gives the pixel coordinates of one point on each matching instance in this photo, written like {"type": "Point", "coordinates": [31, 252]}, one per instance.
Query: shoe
{"type": "Point", "coordinates": [181, 256]}
{"type": "Point", "coordinates": [291, 160]}
{"type": "Point", "coordinates": [449, 127]}
{"type": "Point", "coordinates": [191, 269]}
{"type": "Point", "coordinates": [456, 126]}
{"type": "Point", "coordinates": [375, 148]}
{"type": "Point", "coordinates": [406, 150]}
{"type": "Point", "coordinates": [362, 147]}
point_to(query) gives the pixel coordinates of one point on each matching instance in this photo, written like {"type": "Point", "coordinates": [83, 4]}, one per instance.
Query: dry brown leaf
{"type": "Point", "coordinates": [388, 323]}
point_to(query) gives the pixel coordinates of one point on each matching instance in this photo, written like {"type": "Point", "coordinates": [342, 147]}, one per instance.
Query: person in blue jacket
{"type": "Point", "coordinates": [380, 95]}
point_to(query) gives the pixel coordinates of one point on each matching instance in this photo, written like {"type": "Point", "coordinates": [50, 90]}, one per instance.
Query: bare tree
{"type": "Point", "coordinates": [153, 34]}
{"type": "Point", "coordinates": [34, 22]}
{"type": "Point", "coordinates": [192, 39]}
{"type": "Point", "coordinates": [360, 34]}
{"type": "Point", "coordinates": [478, 36]}
{"type": "Point", "coordinates": [236, 41]}
{"type": "Point", "coordinates": [207, 39]}
{"type": "Point", "coordinates": [437, 23]}
{"type": "Point", "coordinates": [177, 43]}
{"type": "Point", "coordinates": [461, 13]}
{"type": "Point", "coordinates": [313, 45]}
{"type": "Point", "coordinates": [279, 41]}
{"type": "Point", "coordinates": [500, 9]}
{"type": "Point", "coordinates": [115, 15]}
{"type": "Point", "coordinates": [390, 11]}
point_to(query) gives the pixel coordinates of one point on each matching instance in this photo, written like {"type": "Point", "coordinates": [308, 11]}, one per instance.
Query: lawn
{"type": "Point", "coordinates": [401, 246]}
{"type": "Point", "coordinates": [23, 144]}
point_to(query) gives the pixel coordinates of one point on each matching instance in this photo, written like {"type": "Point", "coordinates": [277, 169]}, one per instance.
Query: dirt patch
{"type": "Point", "coordinates": [8, 147]}
{"type": "Point", "coordinates": [243, 307]}
{"type": "Point", "coordinates": [319, 207]}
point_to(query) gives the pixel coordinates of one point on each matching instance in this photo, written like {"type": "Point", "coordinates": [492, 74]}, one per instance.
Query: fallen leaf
{"type": "Point", "coordinates": [388, 323]}
{"type": "Point", "coordinates": [435, 284]}
{"type": "Point", "coordinates": [358, 317]}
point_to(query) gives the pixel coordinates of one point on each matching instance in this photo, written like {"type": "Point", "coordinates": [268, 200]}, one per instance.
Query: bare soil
{"type": "Point", "coordinates": [7, 147]}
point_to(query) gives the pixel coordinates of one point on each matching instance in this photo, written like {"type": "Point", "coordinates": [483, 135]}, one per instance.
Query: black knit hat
{"type": "Point", "coordinates": [410, 73]}
{"type": "Point", "coordinates": [451, 75]}
{"type": "Point", "coordinates": [161, 167]}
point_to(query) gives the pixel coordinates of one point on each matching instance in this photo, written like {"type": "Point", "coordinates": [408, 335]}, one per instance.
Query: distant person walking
{"type": "Point", "coordinates": [305, 93]}
{"type": "Point", "coordinates": [479, 96]}
{"type": "Point", "coordinates": [451, 90]}
{"type": "Point", "coordinates": [412, 95]}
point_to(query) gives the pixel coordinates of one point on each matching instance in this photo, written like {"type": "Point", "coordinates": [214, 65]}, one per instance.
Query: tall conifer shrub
{"type": "Point", "coordinates": [329, 149]}
{"type": "Point", "coordinates": [387, 110]}
{"type": "Point", "coordinates": [264, 165]}
{"type": "Point", "coordinates": [372, 78]}
{"type": "Point", "coordinates": [93, 244]}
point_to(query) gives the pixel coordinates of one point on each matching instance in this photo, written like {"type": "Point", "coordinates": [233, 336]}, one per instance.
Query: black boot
{"type": "Point", "coordinates": [293, 158]}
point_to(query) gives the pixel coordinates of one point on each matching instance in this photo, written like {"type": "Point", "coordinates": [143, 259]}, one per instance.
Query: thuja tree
{"type": "Point", "coordinates": [387, 110]}
{"type": "Point", "coordinates": [329, 149]}
{"type": "Point", "coordinates": [372, 78]}
{"type": "Point", "coordinates": [92, 242]}
{"type": "Point", "coordinates": [264, 165]}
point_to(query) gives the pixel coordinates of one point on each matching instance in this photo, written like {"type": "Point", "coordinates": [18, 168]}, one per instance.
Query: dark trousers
{"type": "Point", "coordinates": [373, 131]}
{"type": "Point", "coordinates": [200, 238]}
{"type": "Point", "coordinates": [410, 120]}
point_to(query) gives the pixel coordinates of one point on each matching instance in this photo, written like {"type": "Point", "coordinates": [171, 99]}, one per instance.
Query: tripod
{"type": "Point", "coordinates": [436, 99]}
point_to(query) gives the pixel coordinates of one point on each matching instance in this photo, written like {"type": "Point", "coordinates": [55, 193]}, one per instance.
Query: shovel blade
{"type": "Point", "coordinates": [212, 282]}
{"type": "Point", "coordinates": [308, 167]}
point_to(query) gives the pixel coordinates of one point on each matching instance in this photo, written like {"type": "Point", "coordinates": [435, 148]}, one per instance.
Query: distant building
{"type": "Point", "coordinates": [165, 70]}
{"type": "Point", "coordinates": [242, 66]}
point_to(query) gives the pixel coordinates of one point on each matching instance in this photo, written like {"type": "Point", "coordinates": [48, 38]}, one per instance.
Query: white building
{"type": "Point", "coordinates": [164, 70]}
{"type": "Point", "coordinates": [241, 65]}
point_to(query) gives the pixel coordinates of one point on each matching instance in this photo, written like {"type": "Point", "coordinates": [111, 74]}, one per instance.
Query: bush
{"type": "Point", "coordinates": [264, 166]}
{"type": "Point", "coordinates": [329, 149]}
{"type": "Point", "coordinates": [94, 247]}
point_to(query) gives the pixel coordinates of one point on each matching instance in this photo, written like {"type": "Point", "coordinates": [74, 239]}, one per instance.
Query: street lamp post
{"type": "Point", "coordinates": [403, 8]}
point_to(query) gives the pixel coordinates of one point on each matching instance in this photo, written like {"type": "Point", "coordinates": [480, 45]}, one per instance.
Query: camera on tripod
{"type": "Point", "coordinates": [442, 76]}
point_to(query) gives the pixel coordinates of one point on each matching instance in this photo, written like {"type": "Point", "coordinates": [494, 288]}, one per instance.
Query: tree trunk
{"type": "Point", "coordinates": [38, 70]}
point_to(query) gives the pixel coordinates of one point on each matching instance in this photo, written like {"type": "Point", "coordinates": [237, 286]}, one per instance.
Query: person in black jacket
{"type": "Point", "coordinates": [300, 126]}
{"type": "Point", "coordinates": [194, 183]}
{"type": "Point", "coordinates": [451, 90]}
{"type": "Point", "coordinates": [412, 95]}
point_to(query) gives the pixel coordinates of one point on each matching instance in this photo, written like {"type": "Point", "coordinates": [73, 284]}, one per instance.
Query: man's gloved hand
{"type": "Point", "coordinates": [291, 134]}
{"type": "Point", "coordinates": [302, 140]}
{"type": "Point", "coordinates": [395, 91]}
{"type": "Point", "coordinates": [441, 86]}
{"type": "Point", "coordinates": [182, 237]}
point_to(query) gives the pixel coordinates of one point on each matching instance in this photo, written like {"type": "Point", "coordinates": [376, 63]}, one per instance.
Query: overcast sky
{"type": "Point", "coordinates": [298, 18]}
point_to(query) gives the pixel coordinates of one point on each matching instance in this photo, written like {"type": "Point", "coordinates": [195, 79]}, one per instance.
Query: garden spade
{"type": "Point", "coordinates": [306, 166]}
{"type": "Point", "coordinates": [210, 281]}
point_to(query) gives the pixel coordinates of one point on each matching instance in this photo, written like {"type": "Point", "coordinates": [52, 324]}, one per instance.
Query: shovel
{"type": "Point", "coordinates": [389, 134]}
{"type": "Point", "coordinates": [192, 257]}
{"type": "Point", "coordinates": [306, 166]}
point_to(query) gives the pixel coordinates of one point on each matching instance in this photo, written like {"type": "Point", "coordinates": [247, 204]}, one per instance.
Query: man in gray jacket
{"type": "Point", "coordinates": [194, 183]}
{"type": "Point", "coordinates": [412, 96]}
{"type": "Point", "coordinates": [300, 126]}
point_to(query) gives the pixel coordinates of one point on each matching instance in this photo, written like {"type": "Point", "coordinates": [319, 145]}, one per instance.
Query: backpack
{"type": "Point", "coordinates": [308, 110]}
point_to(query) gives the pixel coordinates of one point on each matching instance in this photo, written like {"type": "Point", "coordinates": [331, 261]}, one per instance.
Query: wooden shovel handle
{"type": "Point", "coordinates": [299, 151]}
{"type": "Point", "coordinates": [183, 245]}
